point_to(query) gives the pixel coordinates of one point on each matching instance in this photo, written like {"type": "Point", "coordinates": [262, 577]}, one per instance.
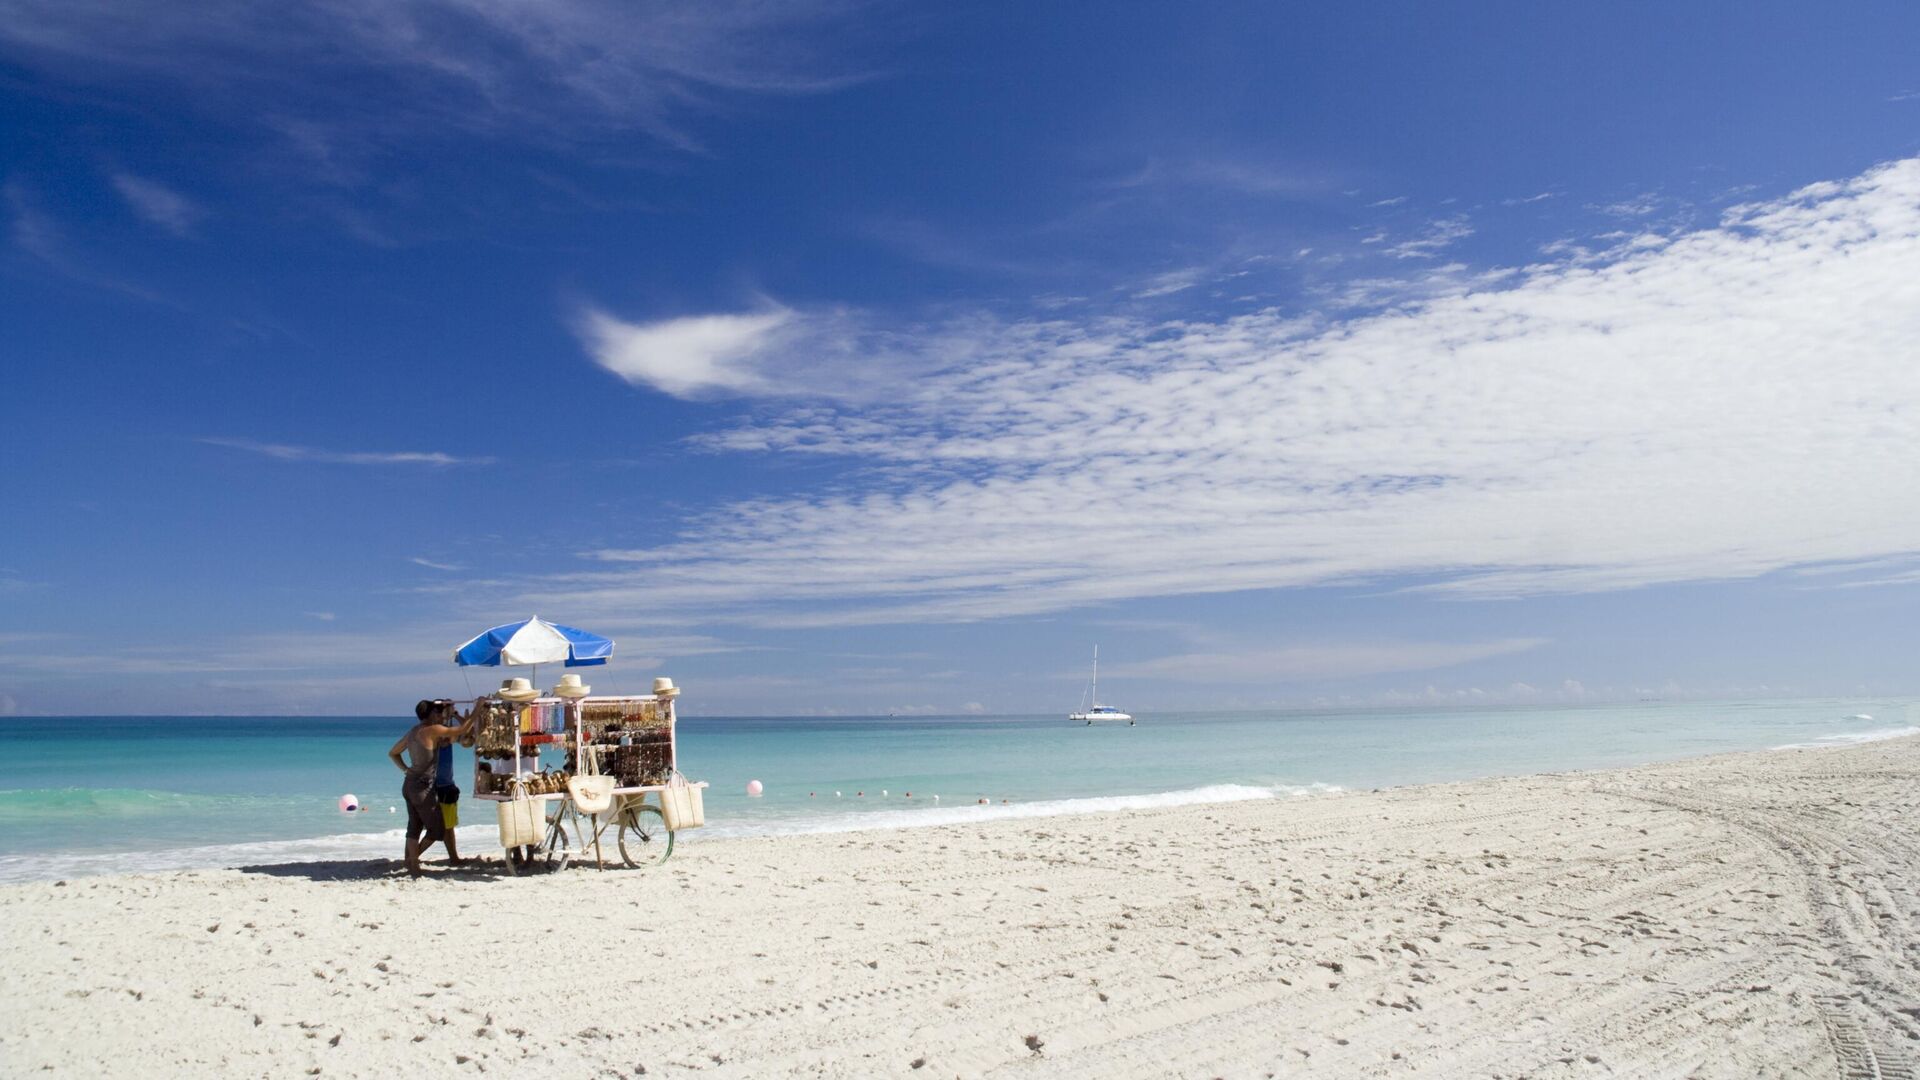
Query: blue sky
{"type": "Point", "coordinates": [865, 357]}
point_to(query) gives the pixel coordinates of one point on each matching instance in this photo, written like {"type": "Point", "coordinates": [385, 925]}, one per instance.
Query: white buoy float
{"type": "Point", "coordinates": [754, 789]}
{"type": "Point", "coordinates": [349, 803]}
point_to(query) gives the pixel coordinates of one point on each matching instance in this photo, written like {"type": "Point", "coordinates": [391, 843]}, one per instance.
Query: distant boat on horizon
{"type": "Point", "coordinates": [1097, 712]}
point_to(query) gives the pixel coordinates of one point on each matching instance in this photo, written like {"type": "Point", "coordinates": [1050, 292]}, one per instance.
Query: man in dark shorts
{"type": "Point", "coordinates": [421, 744]}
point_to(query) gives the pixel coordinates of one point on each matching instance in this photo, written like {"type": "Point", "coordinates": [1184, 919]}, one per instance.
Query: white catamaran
{"type": "Point", "coordinates": [1098, 712]}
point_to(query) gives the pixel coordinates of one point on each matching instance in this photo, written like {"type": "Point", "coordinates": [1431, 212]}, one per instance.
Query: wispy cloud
{"type": "Point", "coordinates": [1724, 403]}
{"type": "Point", "coordinates": [431, 565]}
{"type": "Point", "coordinates": [13, 581]}
{"type": "Point", "coordinates": [994, 252]}
{"type": "Point", "coordinates": [1440, 234]}
{"type": "Point", "coordinates": [30, 229]}
{"type": "Point", "coordinates": [35, 233]}
{"type": "Point", "coordinates": [324, 652]}
{"type": "Point", "coordinates": [285, 452]}
{"type": "Point", "coordinates": [538, 69]}
{"type": "Point", "coordinates": [1227, 173]}
{"type": "Point", "coordinates": [1171, 282]}
{"type": "Point", "coordinates": [158, 203]}
{"type": "Point", "coordinates": [1868, 574]}
{"type": "Point", "coordinates": [1315, 662]}
{"type": "Point", "coordinates": [1636, 207]}
{"type": "Point", "coordinates": [1911, 577]}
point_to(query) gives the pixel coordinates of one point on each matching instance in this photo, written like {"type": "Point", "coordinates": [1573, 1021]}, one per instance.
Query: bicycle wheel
{"type": "Point", "coordinates": [644, 839]}
{"type": "Point", "coordinates": [557, 850]}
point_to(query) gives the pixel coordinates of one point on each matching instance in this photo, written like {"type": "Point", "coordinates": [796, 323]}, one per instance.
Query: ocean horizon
{"type": "Point", "coordinates": [134, 794]}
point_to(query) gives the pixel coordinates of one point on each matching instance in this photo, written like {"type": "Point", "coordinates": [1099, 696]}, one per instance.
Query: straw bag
{"type": "Point", "coordinates": [682, 804]}
{"type": "Point", "coordinates": [591, 792]}
{"type": "Point", "coordinates": [519, 820]}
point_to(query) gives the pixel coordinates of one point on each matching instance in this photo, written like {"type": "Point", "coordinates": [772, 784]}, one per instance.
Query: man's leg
{"type": "Point", "coordinates": [416, 825]}
{"type": "Point", "coordinates": [453, 853]}
{"type": "Point", "coordinates": [413, 850]}
{"type": "Point", "coordinates": [432, 837]}
{"type": "Point", "coordinates": [435, 827]}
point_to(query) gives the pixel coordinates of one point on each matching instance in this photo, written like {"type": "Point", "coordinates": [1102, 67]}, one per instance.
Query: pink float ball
{"type": "Point", "coordinates": [754, 788]}
{"type": "Point", "coordinates": [349, 804]}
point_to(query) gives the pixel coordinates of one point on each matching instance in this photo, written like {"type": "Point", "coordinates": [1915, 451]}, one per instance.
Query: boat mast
{"type": "Point", "coordinates": [1096, 676]}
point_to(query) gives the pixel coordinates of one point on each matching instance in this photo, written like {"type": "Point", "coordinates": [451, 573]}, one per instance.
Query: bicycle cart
{"type": "Point", "coordinates": [618, 786]}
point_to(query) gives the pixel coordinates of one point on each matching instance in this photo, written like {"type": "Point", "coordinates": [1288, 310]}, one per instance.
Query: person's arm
{"type": "Point", "coordinates": [449, 733]}
{"type": "Point", "coordinates": [398, 761]}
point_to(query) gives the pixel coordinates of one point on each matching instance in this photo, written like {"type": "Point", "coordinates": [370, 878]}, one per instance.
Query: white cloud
{"type": "Point", "coordinates": [1730, 402]}
{"type": "Point", "coordinates": [158, 203]}
{"type": "Point", "coordinates": [685, 357]}
{"type": "Point", "coordinates": [774, 352]}
{"type": "Point", "coordinates": [284, 452]}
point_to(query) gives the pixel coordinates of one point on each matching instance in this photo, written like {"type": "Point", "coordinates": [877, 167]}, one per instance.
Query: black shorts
{"type": "Point", "coordinates": [423, 809]}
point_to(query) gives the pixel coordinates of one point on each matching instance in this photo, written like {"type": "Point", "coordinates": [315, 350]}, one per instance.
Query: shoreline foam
{"type": "Point", "coordinates": [360, 846]}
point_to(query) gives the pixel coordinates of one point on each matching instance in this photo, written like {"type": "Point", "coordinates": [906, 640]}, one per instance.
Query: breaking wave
{"type": "Point", "coordinates": [922, 817]}
{"type": "Point", "coordinates": [1852, 739]}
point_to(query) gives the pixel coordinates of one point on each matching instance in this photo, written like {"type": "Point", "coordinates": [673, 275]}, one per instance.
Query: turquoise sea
{"type": "Point", "coordinates": [122, 794]}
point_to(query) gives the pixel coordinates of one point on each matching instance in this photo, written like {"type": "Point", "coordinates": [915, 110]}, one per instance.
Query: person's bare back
{"type": "Point", "coordinates": [422, 745]}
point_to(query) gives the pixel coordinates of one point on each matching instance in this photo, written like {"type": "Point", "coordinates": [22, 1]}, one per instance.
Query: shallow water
{"type": "Point", "coordinates": [90, 795]}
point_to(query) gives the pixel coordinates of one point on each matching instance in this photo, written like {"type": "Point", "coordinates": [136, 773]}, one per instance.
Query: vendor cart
{"type": "Point", "coordinates": [630, 739]}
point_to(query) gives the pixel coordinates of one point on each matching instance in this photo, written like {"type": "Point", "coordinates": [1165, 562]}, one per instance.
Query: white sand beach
{"type": "Point", "coordinates": [1739, 916]}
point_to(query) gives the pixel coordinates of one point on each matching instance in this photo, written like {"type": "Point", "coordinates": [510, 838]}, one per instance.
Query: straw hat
{"type": "Point", "coordinates": [517, 690]}
{"type": "Point", "coordinates": [663, 688]}
{"type": "Point", "coordinates": [569, 686]}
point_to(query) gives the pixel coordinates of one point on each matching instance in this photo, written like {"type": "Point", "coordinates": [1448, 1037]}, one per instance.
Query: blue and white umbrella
{"type": "Point", "coordinates": [535, 641]}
